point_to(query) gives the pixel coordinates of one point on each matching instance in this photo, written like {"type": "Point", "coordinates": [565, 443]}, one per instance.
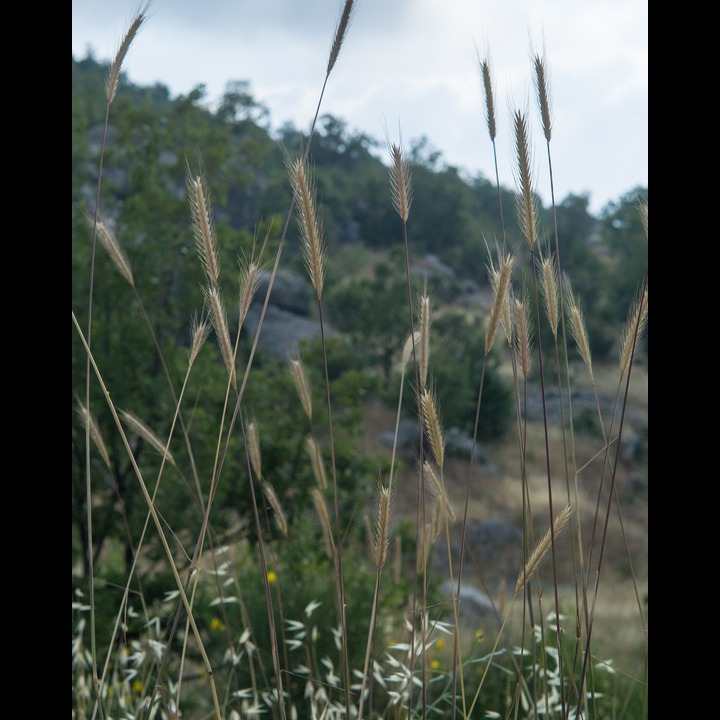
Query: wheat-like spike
{"type": "Point", "coordinates": [550, 289]}
{"type": "Point", "coordinates": [400, 182]}
{"type": "Point", "coordinates": [577, 326]}
{"type": "Point", "coordinates": [200, 331]}
{"type": "Point", "coordinates": [302, 386]}
{"type": "Point", "coordinates": [526, 202]}
{"type": "Point", "coordinates": [254, 448]}
{"type": "Point", "coordinates": [381, 544]}
{"type": "Point", "coordinates": [433, 426]}
{"type": "Point", "coordinates": [489, 95]}
{"type": "Point", "coordinates": [542, 88]}
{"type": "Point", "coordinates": [523, 336]}
{"type": "Point", "coordinates": [138, 426]}
{"type": "Point", "coordinates": [541, 548]}
{"type": "Point", "coordinates": [500, 277]}
{"type": "Point", "coordinates": [437, 487]}
{"type": "Point", "coordinates": [274, 501]}
{"type": "Point", "coordinates": [213, 298]}
{"type": "Point", "coordinates": [633, 330]}
{"type": "Point", "coordinates": [309, 222]}
{"type": "Point", "coordinates": [424, 339]}
{"type": "Point", "coordinates": [249, 281]}
{"type": "Point", "coordinates": [89, 420]}
{"type": "Point", "coordinates": [318, 465]}
{"type": "Point", "coordinates": [108, 241]}
{"type": "Point", "coordinates": [340, 32]}
{"type": "Point", "coordinates": [113, 78]}
{"type": "Point", "coordinates": [322, 510]}
{"type": "Point", "coordinates": [203, 227]}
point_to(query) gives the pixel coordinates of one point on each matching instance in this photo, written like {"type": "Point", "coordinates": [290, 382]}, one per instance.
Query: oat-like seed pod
{"type": "Point", "coordinates": [526, 203]}
{"type": "Point", "coordinates": [113, 78]}
{"type": "Point", "coordinates": [550, 289]}
{"type": "Point", "coordinates": [644, 217]}
{"type": "Point", "coordinates": [489, 101]}
{"type": "Point", "coordinates": [318, 465]}
{"type": "Point", "coordinates": [254, 449]}
{"type": "Point", "coordinates": [89, 419]}
{"type": "Point", "coordinates": [272, 498]}
{"type": "Point", "coordinates": [381, 546]}
{"type": "Point", "coordinates": [438, 489]}
{"type": "Point", "coordinates": [249, 280]}
{"type": "Point", "coordinates": [200, 330]}
{"type": "Point", "coordinates": [214, 301]}
{"type": "Point", "coordinates": [577, 326]}
{"type": "Point", "coordinates": [433, 427]}
{"type": "Point", "coordinates": [202, 220]}
{"type": "Point", "coordinates": [633, 330]}
{"type": "Point", "coordinates": [340, 32]}
{"type": "Point", "coordinates": [500, 278]}
{"type": "Point", "coordinates": [412, 339]}
{"type": "Point", "coordinates": [139, 427]}
{"type": "Point", "coordinates": [541, 548]}
{"type": "Point", "coordinates": [309, 222]}
{"type": "Point", "coordinates": [108, 241]}
{"type": "Point", "coordinates": [542, 88]}
{"type": "Point", "coordinates": [302, 386]}
{"type": "Point", "coordinates": [400, 183]}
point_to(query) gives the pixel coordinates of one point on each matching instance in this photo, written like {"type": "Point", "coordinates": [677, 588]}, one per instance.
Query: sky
{"type": "Point", "coordinates": [409, 69]}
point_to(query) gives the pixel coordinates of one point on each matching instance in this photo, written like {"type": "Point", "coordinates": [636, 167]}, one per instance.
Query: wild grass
{"type": "Point", "coordinates": [233, 634]}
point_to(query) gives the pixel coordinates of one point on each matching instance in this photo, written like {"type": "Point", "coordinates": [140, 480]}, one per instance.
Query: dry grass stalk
{"type": "Point", "coordinates": [200, 331]}
{"type": "Point", "coordinates": [88, 419]}
{"type": "Point", "coordinates": [424, 339]}
{"type": "Point", "coordinates": [202, 220]}
{"type": "Point", "coordinates": [318, 465]}
{"type": "Point", "coordinates": [437, 487]}
{"type": "Point", "coordinates": [309, 222]}
{"type": "Point", "coordinates": [577, 326]}
{"type": "Point", "coordinates": [139, 427]}
{"type": "Point", "coordinates": [523, 337]}
{"type": "Point", "coordinates": [254, 449]}
{"type": "Point", "coordinates": [113, 78]}
{"type": "Point", "coordinates": [489, 98]}
{"type": "Point", "coordinates": [500, 278]}
{"type": "Point", "coordinates": [541, 548]}
{"type": "Point", "coordinates": [322, 510]}
{"type": "Point", "coordinates": [302, 386]}
{"type": "Point", "coordinates": [108, 241]}
{"type": "Point", "coordinates": [550, 289]}
{"type": "Point", "coordinates": [633, 330]}
{"type": "Point", "coordinates": [216, 307]}
{"type": "Point", "coordinates": [526, 202]}
{"type": "Point", "coordinates": [381, 544]}
{"type": "Point", "coordinates": [433, 427]}
{"type": "Point", "coordinates": [542, 88]}
{"type": "Point", "coordinates": [272, 498]}
{"type": "Point", "coordinates": [400, 183]}
{"type": "Point", "coordinates": [340, 32]}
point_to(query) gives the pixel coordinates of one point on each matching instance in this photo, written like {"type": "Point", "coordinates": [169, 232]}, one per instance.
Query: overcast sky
{"type": "Point", "coordinates": [410, 67]}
